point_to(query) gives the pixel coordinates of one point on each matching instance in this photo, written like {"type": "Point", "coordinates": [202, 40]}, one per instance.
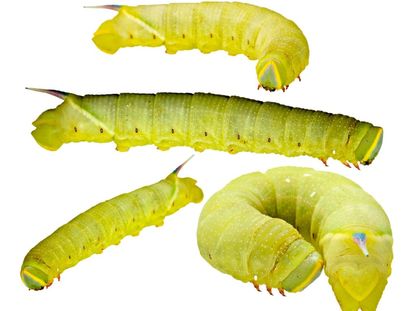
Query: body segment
{"type": "Point", "coordinates": [271, 229]}
{"type": "Point", "coordinates": [207, 121]}
{"type": "Point", "coordinates": [106, 224]}
{"type": "Point", "coordinates": [237, 28]}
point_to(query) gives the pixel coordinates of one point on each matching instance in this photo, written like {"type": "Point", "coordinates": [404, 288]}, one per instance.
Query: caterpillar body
{"type": "Point", "coordinates": [280, 227]}
{"type": "Point", "coordinates": [206, 121]}
{"type": "Point", "coordinates": [106, 224]}
{"type": "Point", "coordinates": [238, 28]}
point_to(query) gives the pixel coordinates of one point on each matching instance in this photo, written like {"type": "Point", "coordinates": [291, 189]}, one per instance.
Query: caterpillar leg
{"type": "Point", "coordinates": [232, 149]}
{"type": "Point", "coordinates": [199, 148]}
{"type": "Point", "coordinates": [163, 148]}
{"type": "Point", "coordinates": [356, 165]}
{"type": "Point", "coordinates": [122, 148]}
{"type": "Point", "coordinates": [345, 163]}
{"type": "Point", "coordinates": [256, 285]}
{"type": "Point", "coordinates": [159, 223]}
{"type": "Point", "coordinates": [269, 290]}
{"type": "Point", "coordinates": [170, 51]}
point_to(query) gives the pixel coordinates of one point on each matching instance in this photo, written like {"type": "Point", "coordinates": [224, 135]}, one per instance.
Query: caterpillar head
{"type": "Point", "coordinates": [34, 276]}
{"type": "Point", "coordinates": [358, 265]}
{"type": "Point", "coordinates": [304, 274]}
{"type": "Point", "coordinates": [369, 146]}
{"type": "Point", "coordinates": [271, 71]}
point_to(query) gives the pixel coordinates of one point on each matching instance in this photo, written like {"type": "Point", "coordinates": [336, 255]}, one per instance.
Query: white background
{"type": "Point", "coordinates": [361, 65]}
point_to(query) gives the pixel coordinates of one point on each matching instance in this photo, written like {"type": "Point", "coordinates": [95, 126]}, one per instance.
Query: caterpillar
{"type": "Point", "coordinates": [281, 227]}
{"type": "Point", "coordinates": [106, 224]}
{"type": "Point", "coordinates": [203, 121]}
{"type": "Point", "coordinates": [238, 28]}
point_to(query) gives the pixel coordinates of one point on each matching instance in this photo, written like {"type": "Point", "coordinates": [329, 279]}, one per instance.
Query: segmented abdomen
{"type": "Point", "coordinates": [248, 229]}
{"type": "Point", "coordinates": [233, 27]}
{"type": "Point", "coordinates": [103, 225]}
{"type": "Point", "coordinates": [238, 28]}
{"type": "Point", "coordinates": [206, 121]}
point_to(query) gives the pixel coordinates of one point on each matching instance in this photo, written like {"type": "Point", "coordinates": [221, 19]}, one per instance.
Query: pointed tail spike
{"type": "Point", "coordinates": [177, 169]}
{"type": "Point", "coordinates": [360, 239]}
{"type": "Point", "coordinates": [59, 94]}
{"type": "Point", "coordinates": [114, 7]}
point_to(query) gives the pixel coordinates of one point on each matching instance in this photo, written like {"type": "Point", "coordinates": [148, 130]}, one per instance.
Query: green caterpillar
{"type": "Point", "coordinates": [106, 224]}
{"type": "Point", "coordinates": [271, 229]}
{"type": "Point", "coordinates": [206, 121]}
{"type": "Point", "coordinates": [237, 28]}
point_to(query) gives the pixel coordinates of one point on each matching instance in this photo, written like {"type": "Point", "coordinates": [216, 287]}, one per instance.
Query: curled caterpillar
{"type": "Point", "coordinates": [106, 224]}
{"type": "Point", "coordinates": [206, 121]}
{"type": "Point", "coordinates": [238, 28]}
{"type": "Point", "coordinates": [280, 227]}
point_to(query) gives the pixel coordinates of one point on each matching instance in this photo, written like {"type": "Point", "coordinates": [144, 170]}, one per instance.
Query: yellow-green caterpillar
{"type": "Point", "coordinates": [280, 227]}
{"type": "Point", "coordinates": [206, 121]}
{"type": "Point", "coordinates": [237, 28]}
{"type": "Point", "coordinates": [106, 224]}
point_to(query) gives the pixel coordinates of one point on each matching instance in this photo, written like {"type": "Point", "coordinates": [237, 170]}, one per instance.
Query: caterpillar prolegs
{"type": "Point", "coordinates": [237, 28]}
{"type": "Point", "coordinates": [106, 224]}
{"type": "Point", "coordinates": [280, 227]}
{"type": "Point", "coordinates": [206, 121]}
